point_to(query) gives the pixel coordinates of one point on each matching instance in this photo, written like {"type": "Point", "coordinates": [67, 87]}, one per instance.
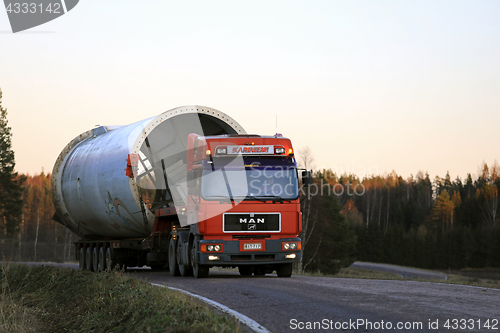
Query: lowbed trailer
{"type": "Point", "coordinates": [187, 190]}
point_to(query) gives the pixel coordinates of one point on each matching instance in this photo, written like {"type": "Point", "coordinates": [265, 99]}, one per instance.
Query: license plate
{"type": "Point", "coordinates": [252, 246]}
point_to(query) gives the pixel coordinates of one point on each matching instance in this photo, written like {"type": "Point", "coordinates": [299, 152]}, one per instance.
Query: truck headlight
{"type": "Point", "coordinates": [221, 150]}
{"type": "Point", "coordinates": [211, 248]}
{"type": "Point", "coordinates": [291, 246]}
{"type": "Point", "coordinates": [279, 150]}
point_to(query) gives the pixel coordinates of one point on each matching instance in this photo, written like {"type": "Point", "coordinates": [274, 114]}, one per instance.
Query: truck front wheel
{"type": "Point", "coordinates": [199, 271]}
{"type": "Point", "coordinates": [172, 259]}
{"type": "Point", "coordinates": [184, 269]}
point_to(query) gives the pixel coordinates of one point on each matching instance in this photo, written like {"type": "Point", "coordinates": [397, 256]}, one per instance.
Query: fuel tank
{"type": "Point", "coordinates": [107, 182]}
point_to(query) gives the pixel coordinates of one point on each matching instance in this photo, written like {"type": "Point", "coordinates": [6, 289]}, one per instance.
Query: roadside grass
{"type": "Point", "coordinates": [469, 281]}
{"type": "Point", "coordinates": [479, 273]}
{"type": "Point", "coordinates": [357, 273]}
{"type": "Point", "coordinates": [53, 299]}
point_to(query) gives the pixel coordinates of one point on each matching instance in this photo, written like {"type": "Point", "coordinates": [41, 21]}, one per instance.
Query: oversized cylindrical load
{"type": "Point", "coordinates": [107, 181]}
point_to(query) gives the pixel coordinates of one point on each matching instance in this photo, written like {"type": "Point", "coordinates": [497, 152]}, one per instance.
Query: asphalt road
{"type": "Point", "coordinates": [350, 305]}
{"type": "Point", "coordinates": [287, 304]}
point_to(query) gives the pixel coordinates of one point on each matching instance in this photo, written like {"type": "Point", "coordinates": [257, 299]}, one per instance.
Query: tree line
{"type": "Point", "coordinates": [419, 222]}
{"type": "Point", "coordinates": [37, 237]}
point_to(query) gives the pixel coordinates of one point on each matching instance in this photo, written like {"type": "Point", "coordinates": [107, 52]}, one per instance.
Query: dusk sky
{"type": "Point", "coordinates": [368, 86]}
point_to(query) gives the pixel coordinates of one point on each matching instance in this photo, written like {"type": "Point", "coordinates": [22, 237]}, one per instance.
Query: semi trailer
{"type": "Point", "coordinates": [186, 190]}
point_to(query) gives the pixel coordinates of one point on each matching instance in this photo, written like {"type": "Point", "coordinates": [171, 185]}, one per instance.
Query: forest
{"type": "Point", "coordinates": [38, 237]}
{"type": "Point", "coordinates": [417, 222]}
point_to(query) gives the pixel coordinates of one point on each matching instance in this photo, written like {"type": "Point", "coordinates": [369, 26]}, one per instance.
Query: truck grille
{"type": "Point", "coordinates": [251, 236]}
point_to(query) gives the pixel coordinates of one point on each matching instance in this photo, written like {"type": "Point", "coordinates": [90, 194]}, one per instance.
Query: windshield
{"type": "Point", "coordinates": [250, 184]}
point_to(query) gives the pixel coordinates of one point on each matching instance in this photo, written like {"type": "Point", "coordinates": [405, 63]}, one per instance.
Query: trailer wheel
{"type": "Point", "coordinates": [199, 271]}
{"type": "Point", "coordinates": [246, 270]}
{"type": "Point", "coordinates": [284, 270]}
{"type": "Point", "coordinates": [172, 259]}
{"type": "Point", "coordinates": [81, 262]}
{"type": "Point", "coordinates": [95, 259]}
{"type": "Point", "coordinates": [88, 259]}
{"type": "Point", "coordinates": [110, 263]}
{"type": "Point", "coordinates": [102, 260]}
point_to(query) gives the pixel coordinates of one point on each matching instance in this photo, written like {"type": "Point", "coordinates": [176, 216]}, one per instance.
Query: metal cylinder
{"type": "Point", "coordinates": [107, 181]}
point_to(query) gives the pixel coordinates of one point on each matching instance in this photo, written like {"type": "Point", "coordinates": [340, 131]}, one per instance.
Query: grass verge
{"type": "Point", "coordinates": [470, 281]}
{"type": "Point", "coordinates": [357, 273]}
{"type": "Point", "coordinates": [53, 299]}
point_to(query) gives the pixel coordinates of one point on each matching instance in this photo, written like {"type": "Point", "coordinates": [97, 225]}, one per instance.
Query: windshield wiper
{"type": "Point", "coordinates": [251, 197]}
{"type": "Point", "coordinates": [273, 198]}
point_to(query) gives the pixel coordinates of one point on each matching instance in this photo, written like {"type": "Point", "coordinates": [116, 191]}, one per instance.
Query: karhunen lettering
{"type": "Point", "coordinates": [240, 150]}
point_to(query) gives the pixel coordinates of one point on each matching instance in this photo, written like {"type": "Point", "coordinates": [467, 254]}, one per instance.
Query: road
{"type": "Point", "coordinates": [288, 304]}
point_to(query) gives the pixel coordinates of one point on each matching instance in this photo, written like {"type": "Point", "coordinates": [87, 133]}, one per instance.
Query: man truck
{"type": "Point", "coordinates": [186, 190]}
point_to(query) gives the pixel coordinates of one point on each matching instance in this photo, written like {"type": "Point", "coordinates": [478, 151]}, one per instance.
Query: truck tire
{"type": "Point", "coordinates": [184, 269]}
{"type": "Point", "coordinates": [81, 262]}
{"type": "Point", "coordinates": [199, 271]}
{"type": "Point", "coordinates": [284, 270]}
{"type": "Point", "coordinates": [246, 270]}
{"type": "Point", "coordinates": [110, 262]}
{"type": "Point", "coordinates": [101, 265]}
{"type": "Point", "coordinates": [95, 260]}
{"type": "Point", "coordinates": [172, 258]}
{"type": "Point", "coordinates": [88, 259]}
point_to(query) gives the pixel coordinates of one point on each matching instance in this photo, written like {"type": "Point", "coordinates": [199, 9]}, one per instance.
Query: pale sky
{"type": "Point", "coordinates": [366, 85]}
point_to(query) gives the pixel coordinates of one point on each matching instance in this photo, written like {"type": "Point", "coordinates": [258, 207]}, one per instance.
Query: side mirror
{"type": "Point", "coordinates": [306, 178]}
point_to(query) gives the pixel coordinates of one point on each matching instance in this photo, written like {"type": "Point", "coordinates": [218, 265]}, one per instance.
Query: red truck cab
{"type": "Point", "coordinates": [243, 206]}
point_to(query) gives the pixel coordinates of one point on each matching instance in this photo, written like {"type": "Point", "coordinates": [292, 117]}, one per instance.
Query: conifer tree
{"type": "Point", "coordinates": [11, 184]}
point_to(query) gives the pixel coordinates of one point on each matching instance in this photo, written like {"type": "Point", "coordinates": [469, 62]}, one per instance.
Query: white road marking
{"type": "Point", "coordinates": [255, 326]}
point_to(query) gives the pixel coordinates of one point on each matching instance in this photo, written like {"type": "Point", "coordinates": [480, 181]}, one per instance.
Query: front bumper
{"type": "Point", "coordinates": [232, 255]}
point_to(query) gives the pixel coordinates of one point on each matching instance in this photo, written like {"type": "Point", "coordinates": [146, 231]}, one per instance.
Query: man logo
{"type": "Point", "coordinates": [29, 14]}
{"type": "Point", "coordinates": [252, 227]}
{"type": "Point", "coordinates": [252, 220]}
